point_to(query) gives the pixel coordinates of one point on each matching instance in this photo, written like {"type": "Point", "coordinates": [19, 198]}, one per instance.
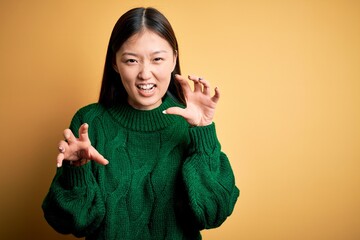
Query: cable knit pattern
{"type": "Point", "coordinates": [165, 180]}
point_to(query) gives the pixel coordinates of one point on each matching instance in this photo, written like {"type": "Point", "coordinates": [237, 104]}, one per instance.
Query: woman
{"type": "Point", "coordinates": [146, 162]}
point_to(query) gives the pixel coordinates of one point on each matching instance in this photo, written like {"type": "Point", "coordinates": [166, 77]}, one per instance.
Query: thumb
{"type": "Point", "coordinates": [97, 157]}
{"type": "Point", "coordinates": [175, 111]}
{"type": "Point", "coordinates": [101, 160]}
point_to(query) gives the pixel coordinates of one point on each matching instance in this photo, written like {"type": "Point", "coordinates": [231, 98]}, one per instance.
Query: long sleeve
{"type": "Point", "coordinates": [164, 180]}
{"type": "Point", "coordinates": [209, 179]}
{"type": "Point", "coordinates": [74, 203]}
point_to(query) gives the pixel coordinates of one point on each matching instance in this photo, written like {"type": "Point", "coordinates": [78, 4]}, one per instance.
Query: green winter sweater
{"type": "Point", "coordinates": [164, 180]}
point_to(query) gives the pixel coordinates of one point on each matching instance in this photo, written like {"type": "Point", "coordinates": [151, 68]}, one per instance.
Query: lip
{"type": "Point", "coordinates": [145, 85]}
{"type": "Point", "coordinates": [144, 90]}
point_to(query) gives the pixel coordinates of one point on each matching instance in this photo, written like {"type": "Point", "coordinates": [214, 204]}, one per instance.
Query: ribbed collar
{"type": "Point", "coordinates": [144, 120]}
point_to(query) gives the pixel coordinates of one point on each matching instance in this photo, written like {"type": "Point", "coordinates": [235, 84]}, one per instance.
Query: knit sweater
{"type": "Point", "coordinates": [165, 179]}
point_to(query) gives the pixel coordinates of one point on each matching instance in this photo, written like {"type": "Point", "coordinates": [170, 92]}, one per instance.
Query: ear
{"type": "Point", "coordinates": [115, 67]}
{"type": "Point", "coordinates": [113, 63]}
{"type": "Point", "coordinates": [175, 58]}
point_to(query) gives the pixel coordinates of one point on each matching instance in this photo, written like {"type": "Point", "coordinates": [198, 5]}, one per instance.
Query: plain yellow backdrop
{"type": "Point", "coordinates": [288, 117]}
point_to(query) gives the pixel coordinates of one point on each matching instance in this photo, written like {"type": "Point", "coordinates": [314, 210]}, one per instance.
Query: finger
{"type": "Point", "coordinates": [64, 152]}
{"type": "Point", "coordinates": [59, 159]}
{"type": "Point", "coordinates": [63, 146]}
{"type": "Point", "coordinates": [196, 80]}
{"type": "Point", "coordinates": [83, 132]}
{"type": "Point", "coordinates": [97, 157]}
{"type": "Point", "coordinates": [69, 136]}
{"type": "Point", "coordinates": [175, 111]}
{"type": "Point", "coordinates": [61, 149]}
{"type": "Point", "coordinates": [183, 113]}
{"type": "Point", "coordinates": [183, 83]}
{"type": "Point", "coordinates": [216, 97]}
{"type": "Point", "coordinates": [101, 160]}
{"type": "Point", "coordinates": [206, 85]}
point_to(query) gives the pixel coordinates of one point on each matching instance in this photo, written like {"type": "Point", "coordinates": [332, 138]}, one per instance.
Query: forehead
{"type": "Point", "coordinates": [144, 40]}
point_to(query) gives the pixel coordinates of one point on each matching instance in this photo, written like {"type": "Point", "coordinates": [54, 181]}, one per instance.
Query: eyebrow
{"type": "Point", "coordinates": [136, 55]}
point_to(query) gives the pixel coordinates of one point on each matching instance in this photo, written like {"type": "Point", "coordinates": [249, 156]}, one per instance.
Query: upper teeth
{"type": "Point", "coordinates": [146, 86]}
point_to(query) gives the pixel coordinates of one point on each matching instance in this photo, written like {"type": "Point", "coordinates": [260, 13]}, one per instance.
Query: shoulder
{"type": "Point", "coordinates": [89, 112]}
{"type": "Point", "coordinates": [93, 108]}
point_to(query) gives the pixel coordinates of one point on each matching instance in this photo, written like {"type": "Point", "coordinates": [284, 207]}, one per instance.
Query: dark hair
{"type": "Point", "coordinates": [132, 22]}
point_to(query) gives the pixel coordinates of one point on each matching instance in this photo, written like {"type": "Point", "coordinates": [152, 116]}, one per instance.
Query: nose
{"type": "Point", "coordinates": [145, 71]}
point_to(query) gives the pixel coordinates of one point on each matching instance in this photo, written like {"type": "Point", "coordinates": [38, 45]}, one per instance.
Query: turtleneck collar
{"type": "Point", "coordinates": [144, 120]}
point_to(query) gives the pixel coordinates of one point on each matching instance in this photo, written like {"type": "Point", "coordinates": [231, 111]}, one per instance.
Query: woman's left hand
{"type": "Point", "coordinates": [200, 105]}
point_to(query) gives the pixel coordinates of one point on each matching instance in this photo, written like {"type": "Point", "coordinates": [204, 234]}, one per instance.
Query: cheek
{"type": "Point", "coordinates": [164, 72]}
{"type": "Point", "coordinates": [126, 75]}
{"type": "Point", "coordinates": [127, 82]}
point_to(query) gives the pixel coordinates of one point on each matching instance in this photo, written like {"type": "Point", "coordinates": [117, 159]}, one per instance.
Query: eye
{"type": "Point", "coordinates": [131, 61]}
{"type": "Point", "coordinates": [158, 59]}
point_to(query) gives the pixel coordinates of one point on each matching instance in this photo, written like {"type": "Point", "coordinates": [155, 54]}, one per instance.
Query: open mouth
{"type": "Point", "coordinates": [146, 87]}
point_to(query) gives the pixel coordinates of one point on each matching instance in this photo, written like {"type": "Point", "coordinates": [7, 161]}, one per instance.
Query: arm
{"type": "Point", "coordinates": [209, 179]}
{"type": "Point", "coordinates": [74, 203]}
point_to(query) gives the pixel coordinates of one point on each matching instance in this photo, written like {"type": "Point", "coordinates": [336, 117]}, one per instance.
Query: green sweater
{"type": "Point", "coordinates": [164, 180]}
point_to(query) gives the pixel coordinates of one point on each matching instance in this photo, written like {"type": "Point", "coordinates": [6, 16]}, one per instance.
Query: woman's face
{"type": "Point", "coordinates": [145, 62]}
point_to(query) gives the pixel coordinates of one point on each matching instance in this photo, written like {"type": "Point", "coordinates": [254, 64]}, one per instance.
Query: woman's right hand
{"type": "Point", "coordinates": [76, 149]}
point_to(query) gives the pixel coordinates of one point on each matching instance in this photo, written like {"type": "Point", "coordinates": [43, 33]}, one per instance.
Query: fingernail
{"type": "Point", "coordinates": [164, 112]}
{"type": "Point", "coordinates": [61, 149]}
{"type": "Point", "coordinates": [58, 165]}
{"type": "Point", "coordinates": [200, 78]}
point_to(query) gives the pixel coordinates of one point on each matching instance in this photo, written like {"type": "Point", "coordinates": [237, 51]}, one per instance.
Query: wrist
{"type": "Point", "coordinates": [203, 124]}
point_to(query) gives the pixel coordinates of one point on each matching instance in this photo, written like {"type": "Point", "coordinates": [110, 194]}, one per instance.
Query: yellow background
{"type": "Point", "coordinates": [288, 118]}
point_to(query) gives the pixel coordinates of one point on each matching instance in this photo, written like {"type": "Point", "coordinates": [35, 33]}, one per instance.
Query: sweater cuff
{"type": "Point", "coordinates": [204, 138]}
{"type": "Point", "coordinates": [76, 176]}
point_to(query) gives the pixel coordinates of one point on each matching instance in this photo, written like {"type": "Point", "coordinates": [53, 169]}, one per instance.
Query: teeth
{"type": "Point", "coordinates": [146, 86]}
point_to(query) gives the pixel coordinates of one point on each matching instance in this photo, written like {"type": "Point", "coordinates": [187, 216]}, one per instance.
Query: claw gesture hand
{"type": "Point", "coordinates": [78, 150]}
{"type": "Point", "coordinates": [200, 105]}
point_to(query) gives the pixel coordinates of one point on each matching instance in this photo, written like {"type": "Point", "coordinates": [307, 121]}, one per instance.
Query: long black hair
{"type": "Point", "coordinates": [132, 22]}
